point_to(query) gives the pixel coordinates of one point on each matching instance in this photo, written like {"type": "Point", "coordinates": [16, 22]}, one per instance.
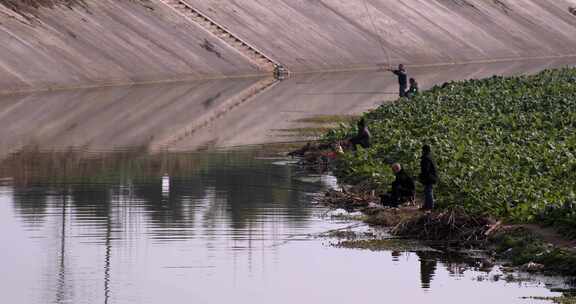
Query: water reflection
{"type": "Point", "coordinates": [207, 114]}
{"type": "Point", "coordinates": [154, 225]}
{"type": "Point", "coordinates": [395, 255]}
{"type": "Point", "coordinates": [222, 202]}
{"type": "Point", "coordinates": [60, 294]}
{"type": "Point", "coordinates": [168, 187]}
{"type": "Point", "coordinates": [427, 268]}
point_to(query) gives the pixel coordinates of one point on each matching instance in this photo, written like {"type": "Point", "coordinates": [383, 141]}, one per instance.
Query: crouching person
{"type": "Point", "coordinates": [402, 188]}
{"type": "Point", "coordinates": [362, 138]}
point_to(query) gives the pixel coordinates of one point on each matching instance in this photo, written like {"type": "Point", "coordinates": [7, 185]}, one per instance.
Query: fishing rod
{"type": "Point", "coordinates": [349, 93]}
{"type": "Point", "coordinates": [378, 35]}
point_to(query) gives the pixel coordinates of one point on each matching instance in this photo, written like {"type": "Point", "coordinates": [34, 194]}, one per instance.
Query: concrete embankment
{"type": "Point", "coordinates": [54, 44]}
{"type": "Point", "coordinates": [343, 34]}
{"type": "Point", "coordinates": [48, 44]}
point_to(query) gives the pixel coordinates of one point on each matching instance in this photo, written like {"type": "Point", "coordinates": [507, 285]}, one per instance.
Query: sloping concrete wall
{"type": "Point", "coordinates": [95, 42]}
{"type": "Point", "coordinates": [308, 35]}
{"type": "Point", "coordinates": [73, 43]}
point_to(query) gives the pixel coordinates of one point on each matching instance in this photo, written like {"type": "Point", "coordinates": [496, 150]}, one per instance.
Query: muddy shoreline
{"type": "Point", "coordinates": [454, 230]}
{"type": "Point", "coordinates": [527, 248]}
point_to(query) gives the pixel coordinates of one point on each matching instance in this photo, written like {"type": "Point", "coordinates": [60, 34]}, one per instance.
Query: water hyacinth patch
{"type": "Point", "coordinates": [504, 146]}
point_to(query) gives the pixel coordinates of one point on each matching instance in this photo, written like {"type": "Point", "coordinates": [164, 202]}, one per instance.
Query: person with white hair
{"type": "Point", "coordinates": [402, 188]}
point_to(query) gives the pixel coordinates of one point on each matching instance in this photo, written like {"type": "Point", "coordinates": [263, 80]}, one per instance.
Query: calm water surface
{"type": "Point", "coordinates": [125, 195]}
{"type": "Point", "coordinates": [214, 227]}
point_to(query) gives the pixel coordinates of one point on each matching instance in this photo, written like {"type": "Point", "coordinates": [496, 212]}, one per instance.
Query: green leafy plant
{"type": "Point", "coordinates": [504, 146]}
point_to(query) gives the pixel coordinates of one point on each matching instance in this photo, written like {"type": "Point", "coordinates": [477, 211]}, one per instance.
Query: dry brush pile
{"type": "Point", "coordinates": [354, 198]}
{"type": "Point", "coordinates": [453, 225]}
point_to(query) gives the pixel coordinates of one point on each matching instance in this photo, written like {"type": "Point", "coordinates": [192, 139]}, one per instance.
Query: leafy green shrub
{"type": "Point", "coordinates": [504, 146]}
{"type": "Point", "coordinates": [521, 247]}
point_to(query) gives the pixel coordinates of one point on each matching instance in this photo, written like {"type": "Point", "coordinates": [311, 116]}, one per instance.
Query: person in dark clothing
{"type": "Point", "coordinates": [413, 90]}
{"type": "Point", "coordinates": [402, 188]}
{"type": "Point", "coordinates": [428, 176]}
{"type": "Point", "coordinates": [402, 79]}
{"type": "Point", "coordinates": [363, 136]}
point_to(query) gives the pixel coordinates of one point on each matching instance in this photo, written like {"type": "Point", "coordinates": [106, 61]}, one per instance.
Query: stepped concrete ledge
{"type": "Point", "coordinates": [264, 62]}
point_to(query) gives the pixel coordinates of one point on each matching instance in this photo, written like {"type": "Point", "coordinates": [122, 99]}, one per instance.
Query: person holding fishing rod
{"type": "Point", "coordinates": [401, 71]}
{"type": "Point", "coordinates": [402, 79]}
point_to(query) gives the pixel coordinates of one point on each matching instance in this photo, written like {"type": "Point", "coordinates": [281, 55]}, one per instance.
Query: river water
{"type": "Point", "coordinates": [119, 195]}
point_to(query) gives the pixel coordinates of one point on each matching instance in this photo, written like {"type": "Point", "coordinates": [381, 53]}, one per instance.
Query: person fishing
{"type": "Point", "coordinates": [413, 89]}
{"type": "Point", "coordinates": [363, 136]}
{"type": "Point", "coordinates": [402, 79]}
{"type": "Point", "coordinates": [403, 188]}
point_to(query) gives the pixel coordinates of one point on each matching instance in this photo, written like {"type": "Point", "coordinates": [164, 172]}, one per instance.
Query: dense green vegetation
{"type": "Point", "coordinates": [521, 247]}
{"type": "Point", "coordinates": [504, 146]}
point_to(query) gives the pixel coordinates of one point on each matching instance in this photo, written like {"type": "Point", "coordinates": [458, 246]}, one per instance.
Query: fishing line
{"type": "Point", "coordinates": [377, 32]}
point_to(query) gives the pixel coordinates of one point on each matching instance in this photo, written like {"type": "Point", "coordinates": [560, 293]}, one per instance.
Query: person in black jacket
{"type": "Point", "coordinates": [402, 188]}
{"type": "Point", "coordinates": [402, 79]}
{"type": "Point", "coordinates": [363, 136]}
{"type": "Point", "coordinates": [428, 176]}
{"type": "Point", "coordinates": [413, 90]}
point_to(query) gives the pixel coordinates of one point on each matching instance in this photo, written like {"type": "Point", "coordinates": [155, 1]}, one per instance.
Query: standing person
{"type": "Point", "coordinates": [402, 79]}
{"type": "Point", "coordinates": [413, 90]}
{"type": "Point", "coordinates": [428, 176]}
